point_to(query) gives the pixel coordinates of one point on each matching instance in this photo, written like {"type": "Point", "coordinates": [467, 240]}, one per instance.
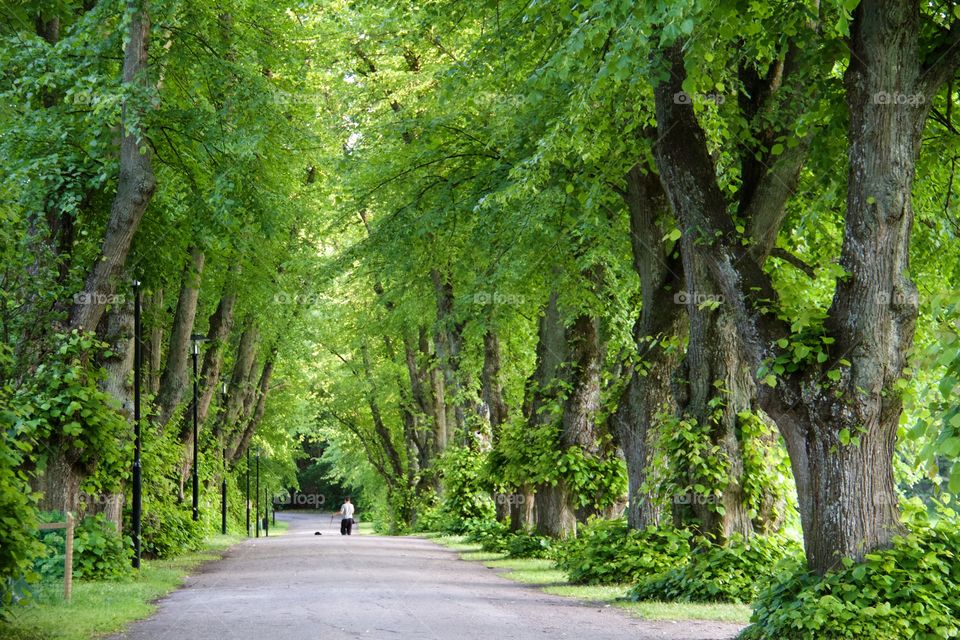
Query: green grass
{"type": "Point", "coordinates": [739, 613]}
{"type": "Point", "coordinates": [545, 575]}
{"type": "Point", "coordinates": [279, 528]}
{"type": "Point", "coordinates": [99, 608]}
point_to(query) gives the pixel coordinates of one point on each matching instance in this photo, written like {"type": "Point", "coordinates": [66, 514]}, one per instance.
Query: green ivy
{"type": "Point", "coordinates": [63, 407]}
{"type": "Point", "coordinates": [731, 572]}
{"type": "Point", "coordinates": [907, 591]}
{"type": "Point", "coordinates": [99, 551]}
{"type": "Point", "coordinates": [17, 506]}
{"type": "Point", "coordinates": [608, 552]}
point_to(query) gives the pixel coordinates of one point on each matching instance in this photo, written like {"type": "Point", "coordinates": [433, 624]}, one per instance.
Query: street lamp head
{"type": "Point", "coordinates": [136, 283]}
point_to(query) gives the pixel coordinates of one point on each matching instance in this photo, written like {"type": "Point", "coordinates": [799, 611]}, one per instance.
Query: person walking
{"type": "Point", "coordinates": [346, 517]}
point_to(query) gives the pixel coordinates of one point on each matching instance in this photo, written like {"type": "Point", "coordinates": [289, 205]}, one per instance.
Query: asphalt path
{"type": "Point", "coordinates": [300, 586]}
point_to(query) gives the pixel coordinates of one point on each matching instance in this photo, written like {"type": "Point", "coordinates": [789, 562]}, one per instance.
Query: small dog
{"type": "Point", "coordinates": [317, 533]}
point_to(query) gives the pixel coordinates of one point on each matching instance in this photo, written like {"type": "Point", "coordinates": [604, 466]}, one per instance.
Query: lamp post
{"type": "Point", "coordinates": [257, 509]}
{"type": "Point", "coordinates": [223, 484]}
{"type": "Point", "coordinates": [136, 516]}
{"type": "Point", "coordinates": [248, 492]}
{"type": "Point", "coordinates": [266, 513]}
{"type": "Point", "coordinates": [197, 339]}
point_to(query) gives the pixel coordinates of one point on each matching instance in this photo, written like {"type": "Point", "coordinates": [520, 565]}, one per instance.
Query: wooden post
{"type": "Point", "coordinates": [68, 560]}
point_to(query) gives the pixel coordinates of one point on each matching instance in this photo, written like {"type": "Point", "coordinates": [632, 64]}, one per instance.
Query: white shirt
{"type": "Point", "coordinates": [346, 510]}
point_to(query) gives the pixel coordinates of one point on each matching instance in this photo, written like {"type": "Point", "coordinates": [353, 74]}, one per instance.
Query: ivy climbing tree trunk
{"type": "Point", "coordinates": [658, 335]}
{"type": "Point", "coordinates": [136, 184]}
{"type": "Point", "coordinates": [839, 417]}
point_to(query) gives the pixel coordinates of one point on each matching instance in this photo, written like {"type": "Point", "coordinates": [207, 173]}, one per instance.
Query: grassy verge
{"type": "Point", "coordinates": [99, 608]}
{"type": "Point", "coordinates": [545, 575]}
{"type": "Point", "coordinates": [279, 527]}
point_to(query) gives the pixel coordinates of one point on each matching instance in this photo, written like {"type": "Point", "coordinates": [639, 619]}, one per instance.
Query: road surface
{"type": "Point", "coordinates": [298, 586]}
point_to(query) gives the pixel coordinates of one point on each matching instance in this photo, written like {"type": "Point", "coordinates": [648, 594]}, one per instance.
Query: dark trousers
{"type": "Point", "coordinates": [345, 526]}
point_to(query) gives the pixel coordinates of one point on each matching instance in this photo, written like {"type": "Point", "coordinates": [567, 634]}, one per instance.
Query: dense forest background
{"type": "Point", "coordinates": [636, 286]}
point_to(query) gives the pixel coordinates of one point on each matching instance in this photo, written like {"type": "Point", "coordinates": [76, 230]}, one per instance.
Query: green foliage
{"type": "Point", "coordinates": [908, 591]}
{"type": "Point", "coordinates": [608, 552]}
{"type": "Point", "coordinates": [17, 506]}
{"type": "Point", "coordinates": [99, 552]}
{"type": "Point", "coordinates": [169, 530]}
{"type": "Point", "coordinates": [490, 534]}
{"type": "Point", "coordinates": [731, 572]}
{"type": "Point", "coordinates": [532, 454]}
{"type": "Point", "coordinates": [527, 545]}
{"type": "Point", "coordinates": [496, 537]}
{"type": "Point", "coordinates": [63, 405]}
{"type": "Point", "coordinates": [465, 494]}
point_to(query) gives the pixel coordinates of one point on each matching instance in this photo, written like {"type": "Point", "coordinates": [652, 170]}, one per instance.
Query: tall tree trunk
{"type": "Point", "coordinates": [118, 333]}
{"type": "Point", "coordinates": [241, 380]}
{"type": "Point", "coordinates": [496, 405]}
{"type": "Point", "coordinates": [448, 341]}
{"type": "Point", "coordinates": [220, 323]}
{"type": "Point", "coordinates": [135, 185]}
{"type": "Point", "coordinates": [153, 347]}
{"type": "Point", "coordinates": [175, 377]}
{"type": "Point", "coordinates": [839, 429]}
{"type": "Point", "coordinates": [553, 510]}
{"type": "Point", "coordinates": [237, 450]}
{"type": "Point", "coordinates": [492, 387]}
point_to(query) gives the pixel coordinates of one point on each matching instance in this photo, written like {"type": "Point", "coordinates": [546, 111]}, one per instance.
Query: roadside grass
{"type": "Point", "coordinates": [279, 528]}
{"type": "Point", "coordinates": [544, 575]}
{"type": "Point", "coordinates": [99, 608]}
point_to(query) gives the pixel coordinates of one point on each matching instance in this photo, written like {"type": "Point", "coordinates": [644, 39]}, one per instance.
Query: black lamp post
{"type": "Point", "coordinates": [248, 492]}
{"type": "Point", "coordinates": [136, 516]}
{"type": "Point", "coordinates": [197, 339]}
{"type": "Point", "coordinates": [223, 484]}
{"type": "Point", "coordinates": [257, 509]}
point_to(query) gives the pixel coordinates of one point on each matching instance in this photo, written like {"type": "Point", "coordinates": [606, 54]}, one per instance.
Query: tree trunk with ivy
{"type": "Point", "coordinates": [658, 334]}
{"type": "Point", "coordinates": [839, 411]}
{"type": "Point", "coordinates": [60, 481]}
{"type": "Point", "coordinates": [557, 504]}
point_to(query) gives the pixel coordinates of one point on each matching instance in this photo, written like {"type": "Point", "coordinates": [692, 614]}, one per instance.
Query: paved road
{"type": "Point", "coordinates": [299, 586]}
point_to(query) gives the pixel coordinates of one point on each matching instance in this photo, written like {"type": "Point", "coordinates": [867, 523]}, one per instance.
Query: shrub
{"type": "Point", "coordinates": [19, 544]}
{"type": "Point", "coordinates": [732, 572]}
{"type": "Point", "coordinates": [491, 535]}
{"type": "Point", "coordinates": [99, 551]}
{"type": "Point", "coordinates": [907, 591]}
{"type": "Point", "coordinates": [168, 530]}
{"type": "Point", "coordinates": [526, 545]}
{"type": "Point", "coordinates": [607, 552]}
{"type": "Point", "coordinates": [466, 496]}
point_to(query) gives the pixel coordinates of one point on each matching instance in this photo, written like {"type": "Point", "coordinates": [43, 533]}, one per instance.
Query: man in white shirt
{"type": "Point", "coordinates": [346, 514]}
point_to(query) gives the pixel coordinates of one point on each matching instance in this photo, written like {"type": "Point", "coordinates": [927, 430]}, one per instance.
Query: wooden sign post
{"type": "Point", "coordinates": [68, 553]}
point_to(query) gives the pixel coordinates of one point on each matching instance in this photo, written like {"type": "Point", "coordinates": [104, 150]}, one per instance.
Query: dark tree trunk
{"type": "Point", "coordinates": [153, 345]}
{"type": "Point", "coordinates": [493, 401]}
{"type": "Point", "coordinates": [135, 187]}
{"type": "Point", "coordinates": [448, 342]}
{"type": "Point", "coordinates": [554, 511]}
{"type": "Point", "coordinates": [118, 383]}
{"type": "Point", "coordinates": [491, 384]}
{"type": "Point", "coordinates": [658, 333]}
